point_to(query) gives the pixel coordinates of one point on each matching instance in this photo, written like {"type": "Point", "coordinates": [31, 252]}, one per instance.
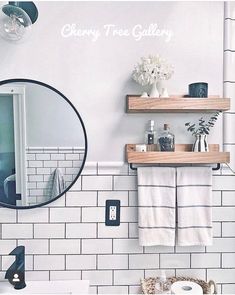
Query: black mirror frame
{"type": "Point", "coordinates": [4, 82]}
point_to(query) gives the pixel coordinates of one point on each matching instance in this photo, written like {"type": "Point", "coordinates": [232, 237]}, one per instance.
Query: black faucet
{"type": "Point", "coordinates": [16, 272]}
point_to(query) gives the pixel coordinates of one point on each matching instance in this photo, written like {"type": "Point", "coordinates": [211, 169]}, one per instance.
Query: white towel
{"type": "Point", "coordinates": [156, 198]}
{"type": "Point", "coordinates": [58, 184]}
{"type": "Point", "coordinates": [194, 201]}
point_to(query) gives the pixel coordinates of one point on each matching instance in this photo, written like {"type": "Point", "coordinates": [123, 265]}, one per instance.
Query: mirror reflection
{"type": "Point", "coordinates": [42, 144]}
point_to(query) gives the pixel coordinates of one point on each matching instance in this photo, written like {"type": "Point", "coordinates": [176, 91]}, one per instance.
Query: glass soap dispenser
{"type": "Point", "coordinates": [162, 284]}
{"type": "Point", "coordinates": [166, 140]}
{"type": "Point", "coordinates": [150, 134]}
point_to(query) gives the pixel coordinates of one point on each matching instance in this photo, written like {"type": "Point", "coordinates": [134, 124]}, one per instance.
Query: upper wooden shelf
{"type": "Point", "coordinates": [176, 104]}
{"type": "Point", "coordinates": [183, 155]}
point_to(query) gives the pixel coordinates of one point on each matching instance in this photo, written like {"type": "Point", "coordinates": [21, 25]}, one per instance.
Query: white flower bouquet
{"type": "Point", "coordinates": [151, 70]}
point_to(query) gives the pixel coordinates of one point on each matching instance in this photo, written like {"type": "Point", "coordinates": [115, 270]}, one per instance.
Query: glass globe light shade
{"type": "Point", "coordinates": [15, 24]}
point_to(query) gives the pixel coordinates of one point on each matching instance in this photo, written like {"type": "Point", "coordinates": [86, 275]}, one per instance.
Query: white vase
{"type": "Point", "coordinates": [144, 94]}
{"type": "Point", "coordinates": [154, 91]}
{"type": "Point", "coordinates": [160, 86]}
{"type": "Point", "coordinates": [162, 89]}
{"type": "Point", "coordinates": [201, 144]}
{"type": "Point", "coordinates": [164, 93]}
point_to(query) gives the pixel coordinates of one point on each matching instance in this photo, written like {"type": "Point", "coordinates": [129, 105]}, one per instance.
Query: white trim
{"type": "Point", "coordinates": [10, 90]}
{"type": "Point", "coordinates": [18, 93]}
{"type": "Point", "coordinates": [54, 148]}
{"type": "Point", "coordinates": [106, 168]}
{"type": "Point", "coordinates": [112, 168]}
{"type": "Point", "coordinates": [228, 33]}
{"type": "Point", "coordinates": [20, 143]}
{"type": "Point", "coordinates": [90, 168]}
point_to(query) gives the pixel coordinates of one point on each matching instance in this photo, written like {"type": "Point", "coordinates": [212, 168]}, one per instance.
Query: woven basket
{"type": "Point", "coordinates": [148, 285]}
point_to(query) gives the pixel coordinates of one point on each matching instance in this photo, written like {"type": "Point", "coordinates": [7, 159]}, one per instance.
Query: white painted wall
{"type": "Point", "coordinates": [50, 120]}
{"type": "Point", "coordinates": [96, 75]}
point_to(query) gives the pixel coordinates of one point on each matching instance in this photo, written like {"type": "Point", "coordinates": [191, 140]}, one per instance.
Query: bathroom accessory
{"type": "Point", "coordinates": [218, 167]}
{"type": "Point", "coordinates": [162, 286]}
{"type": "Point", "coordinates": [200, 130]}
{"type": "Point", "coordinates": [65, 287]}
{"type": "Point", "coordinates": [194, 213]}
{"type": "Point", "coordinates": [159, 189]}
{"type": "Point", "coordinates": [166, 140]}
{"type": "Point", "coordinates": [144, 94]}
{"type": "Point", "coordinates": [176, 104]}
{"type": "Point", "coordinates": [164, 93]}
{"type": "Point", "coordinates": [154, 91]}
{"type": "Point", "coordinates": [186, 287]}
{"type": "Point", "coordinates": [150, 133]}
{"type": "Point", "coordinates": [150, 70]}
{"type": "Point", "coordinates": [183, 155]}
{"type": "Point", "coordinates": [156, 214]}
{"type": "Point", "coordinates": [201, 144]}
{"type": "Point", "coordinates": [181, 104]}
{"type": "Point", "coordinates": [58, 183]}
{"type": "Point", "coordinates": [141, 148]}
{"type": "Point", "coordinates": [148, 284]}
{"type": "Point", "coordinates": [16, 272]}
{"type": "Point", "coordinates": [16, 19]}
{"type": "Point", "coordinates": [199, 89]}
{"type": "Point", "coordinates": [50, 143]}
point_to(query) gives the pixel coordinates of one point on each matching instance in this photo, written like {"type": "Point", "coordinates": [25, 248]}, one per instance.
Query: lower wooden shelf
{"type": "Point", "coordinates": [183, 155]}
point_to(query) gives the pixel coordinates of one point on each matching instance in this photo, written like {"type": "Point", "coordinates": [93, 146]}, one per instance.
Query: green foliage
{"type": "Point", "coordinates": [202, 126]}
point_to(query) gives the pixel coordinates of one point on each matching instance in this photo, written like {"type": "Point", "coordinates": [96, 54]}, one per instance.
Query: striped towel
{"type": "Point", "coordinates": [156, 200]}
{"type": "Point", "coordinates": [194, 201]}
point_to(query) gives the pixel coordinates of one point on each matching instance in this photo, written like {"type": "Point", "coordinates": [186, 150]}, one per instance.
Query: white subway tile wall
{"type": "Point", "coordinates": [229, 80]}
{"type": "Point", "coordinates": [68, 239]}
{"type": "Point", "coordinates": [41, 164]}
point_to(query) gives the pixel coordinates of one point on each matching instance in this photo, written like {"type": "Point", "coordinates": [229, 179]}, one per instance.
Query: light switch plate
{"type": "Point", "coordinates": [112, 213]}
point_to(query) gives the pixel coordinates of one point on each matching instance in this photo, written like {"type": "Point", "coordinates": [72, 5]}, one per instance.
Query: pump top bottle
{"type": "Point", "coordinates": [150, 134]}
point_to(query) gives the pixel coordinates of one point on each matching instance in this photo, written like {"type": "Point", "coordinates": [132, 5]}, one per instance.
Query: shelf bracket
{"type": "Point", "coordinates": [213, 168]}
{"type": "Point", "coordinates": [132, 167]}
{"type": "Point", "coordinates": [217, 167]}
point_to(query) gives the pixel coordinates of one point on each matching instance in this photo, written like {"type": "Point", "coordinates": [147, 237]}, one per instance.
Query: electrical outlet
{"type": "Point", "coordinates": [112, 213]}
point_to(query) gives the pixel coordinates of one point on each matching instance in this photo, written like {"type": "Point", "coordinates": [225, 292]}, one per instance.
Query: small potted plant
{"type": "Point", "coordinates": [200, 131]}
{"type": "Point", "coordinates": [152, 70]}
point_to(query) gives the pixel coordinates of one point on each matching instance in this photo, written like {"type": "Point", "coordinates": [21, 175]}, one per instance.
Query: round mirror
{"type": "Point", "coordinates": [43, 144]}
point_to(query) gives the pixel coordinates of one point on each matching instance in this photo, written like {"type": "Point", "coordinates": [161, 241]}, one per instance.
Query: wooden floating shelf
{"type": "Point", "coordinates": [183, 155]}
{"type": "Point", "coordinates": [176, 104]}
